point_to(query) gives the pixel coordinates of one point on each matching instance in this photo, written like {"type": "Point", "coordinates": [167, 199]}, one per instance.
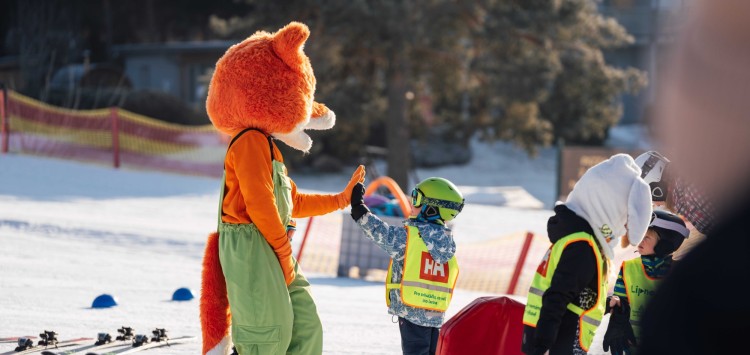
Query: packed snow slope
{"type": "Point", "coordinates": [71, 231]}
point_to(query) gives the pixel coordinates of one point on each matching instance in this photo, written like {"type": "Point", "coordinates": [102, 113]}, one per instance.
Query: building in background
{"type": "Point", "coordinates": [182, 69]}
{"type": "Point", "coordinates": [10, 70]}
{"type": "Point", "coordinates": [651, 23]}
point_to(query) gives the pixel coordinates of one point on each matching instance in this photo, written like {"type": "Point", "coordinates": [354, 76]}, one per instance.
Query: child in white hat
{"type": "Point", "coordinates": [567, 297]}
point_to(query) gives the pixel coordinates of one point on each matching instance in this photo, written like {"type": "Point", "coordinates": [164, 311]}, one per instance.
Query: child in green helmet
{"type": "Point", "coordinates": [423, 268]}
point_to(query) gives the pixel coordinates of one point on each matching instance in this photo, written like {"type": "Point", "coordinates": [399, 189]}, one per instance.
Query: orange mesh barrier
{"type": "Point", "coordinates": [110, 136]}
{"type": "Point", "coordinates": [486, 266]}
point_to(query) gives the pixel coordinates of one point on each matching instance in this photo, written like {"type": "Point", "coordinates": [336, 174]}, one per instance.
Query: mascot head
{"type": "Point", "coordinates": [266, 82]}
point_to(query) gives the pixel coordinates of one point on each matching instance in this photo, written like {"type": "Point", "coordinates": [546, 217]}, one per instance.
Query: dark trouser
{"type": "Point", "coordinates": [416, 339]}
{"type": "Point", "coordinates": [566, 342]}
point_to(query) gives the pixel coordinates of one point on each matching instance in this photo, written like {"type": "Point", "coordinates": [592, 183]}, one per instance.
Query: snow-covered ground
{"type": "Point", "coordinates": [71, 231]}
{"type": "Point", "coordinates": [49, 280]}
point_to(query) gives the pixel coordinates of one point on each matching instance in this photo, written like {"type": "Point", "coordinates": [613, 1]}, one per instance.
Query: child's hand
{"type": "Point", "coordinates": [614, 301]}
{"type": "Point", "coordinates": [358, 201]}
{"type": "Point", "coordinates": [619, 335]}
{"type": "Point", "coordinates": [357, 195]}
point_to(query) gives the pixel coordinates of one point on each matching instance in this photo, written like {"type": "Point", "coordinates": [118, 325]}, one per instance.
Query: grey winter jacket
{"type": "Point", "coordinates": [392, 239]}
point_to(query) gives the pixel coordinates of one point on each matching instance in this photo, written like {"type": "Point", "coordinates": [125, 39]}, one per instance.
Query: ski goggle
{"type": "Point", "coordinates": [418, 198]}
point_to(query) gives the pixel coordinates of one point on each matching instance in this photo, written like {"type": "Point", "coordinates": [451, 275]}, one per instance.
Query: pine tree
{"type": "Point", "coordinates": [542, 75]}
{"type": "Point", "coordinates": [525, 71]}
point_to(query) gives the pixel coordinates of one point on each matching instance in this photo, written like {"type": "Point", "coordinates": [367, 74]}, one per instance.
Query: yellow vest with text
{"type": "Point", "coordinates": [589, 319]}
{"type": "Point", "coordinates": [640, 288]}
{"type": "Point", "coordinates": [425, 283]}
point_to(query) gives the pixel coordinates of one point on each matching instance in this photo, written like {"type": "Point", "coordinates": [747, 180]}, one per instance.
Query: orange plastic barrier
{"type": "Point", "coordinates": [393, 187]}
{"type": "Point", "coordinates": [487, 326]}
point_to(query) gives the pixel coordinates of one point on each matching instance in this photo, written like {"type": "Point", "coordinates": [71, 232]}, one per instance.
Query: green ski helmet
{"type": "Point", "coordinates": [441, 195]}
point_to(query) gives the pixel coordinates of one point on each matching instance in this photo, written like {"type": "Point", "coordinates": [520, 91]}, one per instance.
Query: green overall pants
{"type": "Point", "coordinates": [267, 316]}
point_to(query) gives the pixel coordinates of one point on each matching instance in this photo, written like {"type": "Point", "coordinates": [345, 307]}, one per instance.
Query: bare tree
{"type": "Point", "coordinates": [46, 38]}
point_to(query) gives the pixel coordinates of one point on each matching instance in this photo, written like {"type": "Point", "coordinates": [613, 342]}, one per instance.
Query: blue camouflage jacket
{"type": "Point", "coordinates": [392, 239]}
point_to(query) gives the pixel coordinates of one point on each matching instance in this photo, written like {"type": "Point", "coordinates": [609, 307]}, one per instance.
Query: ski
{"type": "Point", "coordinates": [103, 341]}
{"type": "Point", "coordinates": [143, 342]}
{"type": "Point", "coordinates": [48, 341]}
{"type": "Point", "coordinates": [15, 339]}
{"type": "Point", "coordinates": [130, 350]}
{"type": "Point", "coordinates": [86, 349]}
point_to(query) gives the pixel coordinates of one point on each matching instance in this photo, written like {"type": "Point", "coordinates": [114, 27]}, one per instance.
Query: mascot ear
{"type": "Point", "coordinates": [288, 43]}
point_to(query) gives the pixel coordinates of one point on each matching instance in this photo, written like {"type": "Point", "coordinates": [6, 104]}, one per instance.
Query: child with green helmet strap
{"type": "Point", "coordinates": [438, 199]}
{"type": "Point", "coordinates": [423, 270]}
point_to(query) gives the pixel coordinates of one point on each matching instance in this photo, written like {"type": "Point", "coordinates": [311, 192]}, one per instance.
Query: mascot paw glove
{"type": "Point", "coordinates": [344, 197]}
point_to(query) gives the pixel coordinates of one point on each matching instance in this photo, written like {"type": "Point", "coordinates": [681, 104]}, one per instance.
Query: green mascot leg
{"type": "Point", "coordinates": [262, 314]}
{"type": "Point", "coordinates": [307, 334]}
{"type": "Point", "coordinates": [267, 317]}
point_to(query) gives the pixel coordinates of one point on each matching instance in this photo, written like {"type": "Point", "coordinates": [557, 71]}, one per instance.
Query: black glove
{"type": "Point", "coordinates": [534, 346]}
{"type": "Point", "coordinates": [538, 350]}
{"type": "Point", "coordinates": [358, 202]}
{"type": "Point", "coordinates": [619, 335]}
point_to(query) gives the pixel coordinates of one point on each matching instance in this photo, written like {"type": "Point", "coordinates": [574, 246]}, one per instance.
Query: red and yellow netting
{"type": "Point", "coordinates": [111, 136]}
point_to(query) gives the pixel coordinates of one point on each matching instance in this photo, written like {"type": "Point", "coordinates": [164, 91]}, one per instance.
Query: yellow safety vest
{"type": "Point", "coordinates": [640, 288]}
{"type": "Point", "coordinates": [589, 319]}
{"type": "Point", "coordinates": [425, 283]}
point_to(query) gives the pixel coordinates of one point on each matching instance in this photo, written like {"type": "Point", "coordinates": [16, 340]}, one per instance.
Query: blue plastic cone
{"type": "Point", "coordinates": [104, 301]}
{"type": "Point", "coordinates": [182, 294]}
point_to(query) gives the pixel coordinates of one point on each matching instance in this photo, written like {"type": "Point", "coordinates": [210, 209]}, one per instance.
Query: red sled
{"type": "Point", "coordinates": [487, 326]}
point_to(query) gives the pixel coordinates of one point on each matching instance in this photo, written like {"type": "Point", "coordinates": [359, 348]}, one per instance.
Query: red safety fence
{"type": "Point", "coordinates": [109, 136]}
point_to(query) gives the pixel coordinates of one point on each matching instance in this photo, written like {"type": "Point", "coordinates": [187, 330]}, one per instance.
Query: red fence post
{"type": "Point", "coordinates": [115, 120]}
{"type": "Point", "coordinates": [4, 118]}
{"type": "Point", "coordinates": [304, 239]}
{"type": "Point", "coordinates": [519, 264]}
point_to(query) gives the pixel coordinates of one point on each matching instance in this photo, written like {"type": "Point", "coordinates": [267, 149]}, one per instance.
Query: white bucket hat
{"type": "Point", "coordinates": [615, 200]}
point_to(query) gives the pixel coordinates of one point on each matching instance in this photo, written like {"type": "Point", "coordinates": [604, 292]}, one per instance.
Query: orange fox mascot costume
{"type": "Point", "coordinates": [262, 91]}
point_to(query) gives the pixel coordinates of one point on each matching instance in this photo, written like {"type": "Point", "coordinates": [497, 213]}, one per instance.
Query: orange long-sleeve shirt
{"type": "Point", "coordinates": [249, 197]}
